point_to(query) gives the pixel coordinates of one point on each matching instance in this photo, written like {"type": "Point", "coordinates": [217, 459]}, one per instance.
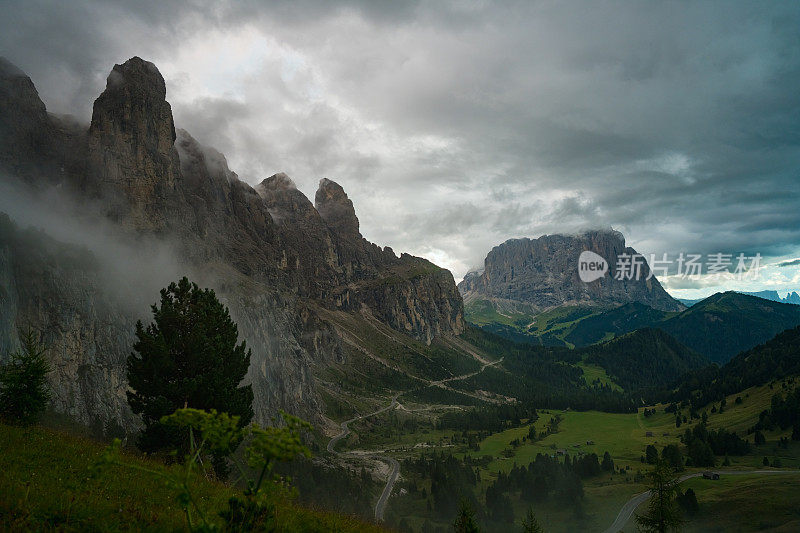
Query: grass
{"type": "Point", "coordinates": [625, 437]}
{"type": "Point", "coordinates": [47, 484]}
{"type": "Point", "coordinates": [622, 435]}
{"type": "Point", "coordinates": [594, 373]}
{"type": "Point", "coordinates": [746, 503]}
{"type": "Point", "coordinates": [482, 312]}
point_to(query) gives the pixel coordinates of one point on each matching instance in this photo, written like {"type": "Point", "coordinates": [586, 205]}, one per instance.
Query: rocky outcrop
{"type": "Point", "coordinates": [336, 209]}
{"type": "Point", "coordinates": [543, 273]}
{"type": "Point", "coordinates": [279, 262]}
{"type": "Point", "coordinates": [25, 128]}
{"type": "Point", "coordinates": [132, 158]}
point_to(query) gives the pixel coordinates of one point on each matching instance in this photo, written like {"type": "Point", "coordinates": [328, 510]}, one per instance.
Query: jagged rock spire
{"type": "Point", "coordinates": [131, 142]}
{"type": "Point", "coordinates": [336, 209]}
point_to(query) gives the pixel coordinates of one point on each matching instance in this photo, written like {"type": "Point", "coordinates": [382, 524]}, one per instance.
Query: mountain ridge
{"type": "Point", "coordinates": [135, 173]}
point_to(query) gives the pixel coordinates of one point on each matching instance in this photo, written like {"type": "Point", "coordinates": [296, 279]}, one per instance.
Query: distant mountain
{"type": "Point", "coordinates": [533, 275]}
{"type": "Point", "coordinates": [644, 358]}
{"type": "Point", "coordinates": [791, 298]}
{"type": "Point", "coordinates": [718, 327]}
{"type": "Point", "coordinates": [722, 325]}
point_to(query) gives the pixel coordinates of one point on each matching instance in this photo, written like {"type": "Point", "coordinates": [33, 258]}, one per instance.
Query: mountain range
{"type": "Point", "coordinates": [135, 203]}
{"type": "Point", "coordinates": [530, 291]}
{"type": "Point", "coordinates": [791, 298]}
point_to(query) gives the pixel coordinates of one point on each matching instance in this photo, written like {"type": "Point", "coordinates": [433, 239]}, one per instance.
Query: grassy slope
{"type": "Point", "coordinates": [46, 484]}
{"type": "Point", "coordinates": [624, 436]}
{"type": "Point", "coordinates": [594, 373]}
{"type": "Point", "coordinates": [746, 503]}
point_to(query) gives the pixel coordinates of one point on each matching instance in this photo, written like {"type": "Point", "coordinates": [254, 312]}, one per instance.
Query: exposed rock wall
{"type": "Point", "coordinates": [543, 273]}
{"type": "Point", "coordinates": [273, 257]}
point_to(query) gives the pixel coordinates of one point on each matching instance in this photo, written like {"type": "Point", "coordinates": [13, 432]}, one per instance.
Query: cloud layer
{"type": "Point", "coordinates": [454, 126]}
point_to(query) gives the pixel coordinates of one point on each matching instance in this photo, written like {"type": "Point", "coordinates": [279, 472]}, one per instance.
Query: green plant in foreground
{"type": "Point", "coordinates": [212, 433]}
{"type": "Point", "coordinates": [24, 392]}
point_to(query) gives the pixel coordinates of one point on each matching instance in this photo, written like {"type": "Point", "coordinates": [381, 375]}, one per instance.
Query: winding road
{"type": "Point", "coordinates": [630, 506]}
{"type": "Point", "coordinates": [394, 473]}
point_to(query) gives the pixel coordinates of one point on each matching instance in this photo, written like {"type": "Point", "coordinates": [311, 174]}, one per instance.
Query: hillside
{"type": "Point", "coordinates": [614, 322]}
{"type": "Point", "coordinates": [723, 325]}
{"type": "Point", "coordinates": [644, 358]}
{"type": "Point", "coordinates": [48, 483]}
{"type": "Point", "coordinates": [776, 359]}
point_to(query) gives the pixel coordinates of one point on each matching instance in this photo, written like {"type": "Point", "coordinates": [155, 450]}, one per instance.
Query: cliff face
{"type": "Point", "coordinates": [274, 258]}
{"type": "Point", "coordinates": [543, 273]}
{"type": "Point", "coordinates": [132, 159]}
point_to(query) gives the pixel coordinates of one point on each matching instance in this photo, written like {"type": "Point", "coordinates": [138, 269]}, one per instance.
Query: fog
{"type": "Point", "coordinates": [131, 269]}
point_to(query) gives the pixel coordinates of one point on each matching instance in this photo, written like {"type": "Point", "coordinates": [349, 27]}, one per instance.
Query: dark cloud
{"type": "Point", "coordinates": [454, 127]}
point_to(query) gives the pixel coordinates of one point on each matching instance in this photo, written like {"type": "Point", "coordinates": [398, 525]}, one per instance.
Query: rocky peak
{"type": "Point", "coordinates": [16, 86]}
{"type": "Point", "coordinates": [24, 125]}
{"type": "Point", "coordinates": [131, 144]}
{"type": "Point", "coordinates": [336, 209]}
{"type": "Point", "coordinates": [284, 202]}
{"type": "Point", "coordinates": [543, 273]}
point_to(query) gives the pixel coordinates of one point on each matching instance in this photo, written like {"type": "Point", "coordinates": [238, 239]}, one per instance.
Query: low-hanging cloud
{"type": "Point", "coordinates": [131, 269]}
{"type": "Point", "coordinates": [454, 127]}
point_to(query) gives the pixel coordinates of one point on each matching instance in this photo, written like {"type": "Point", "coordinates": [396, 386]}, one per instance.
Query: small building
{"type": "Point", "coordinates": [710, 475]}
{"type": "Point", "coordinates": [589, 442]}
{"type": "Point", "coordinates": [561, 452]}
{"type": "Point", "coordinates": [648, 434]}
{"type": "Point", "coordinates": [666, 434]}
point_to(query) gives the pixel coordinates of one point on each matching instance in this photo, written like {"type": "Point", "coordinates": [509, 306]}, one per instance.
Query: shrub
{"type": "Point", "coordinates": [24, 392]}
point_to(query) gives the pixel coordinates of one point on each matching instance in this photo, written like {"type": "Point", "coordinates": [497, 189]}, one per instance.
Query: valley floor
{"type": "Point", "coordinates": [734, 503]}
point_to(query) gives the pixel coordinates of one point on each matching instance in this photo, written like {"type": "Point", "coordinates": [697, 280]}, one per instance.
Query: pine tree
{"type": "Point", "coordinates": [24, 392]}
{"type": "Point", "coordinates": [662, 514]}
{"type": "Point", "coordinates": [187, 357]}
{"type": "Point", "coordinates": [608, 462]}
{"type": "Point", "coordinates": [530, 524]}
{"type": "Point", "coordinates": [465, 521]}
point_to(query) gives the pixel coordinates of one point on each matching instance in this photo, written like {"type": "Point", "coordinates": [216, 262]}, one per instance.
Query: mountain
{"type": "Point", "coordinates": [614, 322]}
{"type": "Point", "coordinates": [129, 203]}
{"type": "Point", "coordinates": [644, 358]}
{"type": "Point", "coordinates": [540, 274]}
{"type": "Point", "coordinates": [722, 325]}
{"type": "Point", "coordinates": [718, 327]}
{"type": "Point", "coordinates": [777, 358]}
{"type": "Point", "coordinates": [791, 298]}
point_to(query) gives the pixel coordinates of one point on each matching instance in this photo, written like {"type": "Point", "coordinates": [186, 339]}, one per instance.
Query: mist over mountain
{"type": "Point", "coordinates": [136, 203]}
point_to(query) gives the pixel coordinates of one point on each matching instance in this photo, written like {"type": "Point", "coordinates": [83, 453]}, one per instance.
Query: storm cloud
{"type": "Point", "coordinates": [455, 126]}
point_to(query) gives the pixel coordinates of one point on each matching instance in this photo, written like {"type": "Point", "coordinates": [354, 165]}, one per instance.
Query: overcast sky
{"type": "Point", "coordinates": [454, 126]}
